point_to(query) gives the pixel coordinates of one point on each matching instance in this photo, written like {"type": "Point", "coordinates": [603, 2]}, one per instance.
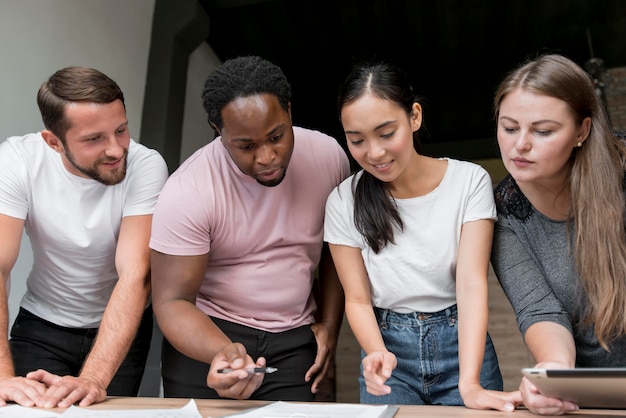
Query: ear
{"type": "Point", "coordinates": [416, 116]}
{"type": "Point", "coordinates": [53, 141]}
{"type": "Point", "coordinates": [217, 131]}
{"type": "Point", "coordinates": [583, 131]}
{"type": "Point", "coordinates": [289, 110]}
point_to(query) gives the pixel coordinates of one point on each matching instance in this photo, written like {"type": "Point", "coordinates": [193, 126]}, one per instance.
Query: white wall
{"type": "Point", "coordinates": [38, 37]}
{"type": "Point", "coordinates": [196, 130]}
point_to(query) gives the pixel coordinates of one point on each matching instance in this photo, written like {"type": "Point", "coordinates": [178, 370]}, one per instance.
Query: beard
{"type": "Point", "coordinates": [272, 183]}
{"type": "Point", "coordinates": [95, 171]}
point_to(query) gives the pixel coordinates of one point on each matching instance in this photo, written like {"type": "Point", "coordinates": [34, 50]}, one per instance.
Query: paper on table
{"type": "Point", "coordinates": [188, 411]}
{"type": "Point", "coordinates": [318, 410]}
{"type": "Point", "coordinates": [25, 412]}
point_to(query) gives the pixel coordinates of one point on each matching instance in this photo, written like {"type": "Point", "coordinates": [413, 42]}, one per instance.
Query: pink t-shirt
{"type": "Point", "coordinates": [264, 242]}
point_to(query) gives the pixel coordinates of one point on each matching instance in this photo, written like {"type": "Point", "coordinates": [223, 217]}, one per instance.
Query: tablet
{"type": "Point", "coordinates": [586, 387]}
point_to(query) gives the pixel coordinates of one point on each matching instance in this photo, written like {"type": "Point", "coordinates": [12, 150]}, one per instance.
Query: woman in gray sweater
{"type": "Point", "coordinates": [560, 244]}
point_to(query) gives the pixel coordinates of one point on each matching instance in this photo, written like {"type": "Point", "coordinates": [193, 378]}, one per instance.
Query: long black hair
{"type": "Point", "coordinates": [375, 212]}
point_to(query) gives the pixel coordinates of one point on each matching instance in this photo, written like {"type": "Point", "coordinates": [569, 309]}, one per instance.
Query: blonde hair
{"type": "Point", "coordinates": [596, 188]}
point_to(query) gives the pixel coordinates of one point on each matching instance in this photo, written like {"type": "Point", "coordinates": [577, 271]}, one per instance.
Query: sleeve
{"type": "Point", "coordinates": [180, 225]}
{"type": "Point", "coordinates": [339, 225]}
{"type": "Point", "coordinates": [147, 173]}
{"type": "Point", "coordinates": [13, 183]}
{"type": "Point", "coordinates": [481, 204]}
{"type": "Point", "coordinates": [523, 281]}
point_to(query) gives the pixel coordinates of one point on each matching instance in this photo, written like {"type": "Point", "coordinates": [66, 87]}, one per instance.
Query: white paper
{"type": "Point", "coordinates": [188, 411]}
{"type": "Point", "coordinates": [25, 412]}
{"type": "Point", "coordinates": [314, 410]}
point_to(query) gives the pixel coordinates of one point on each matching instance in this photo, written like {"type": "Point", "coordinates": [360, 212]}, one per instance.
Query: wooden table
{"type": "Point", "coordinates": [218, 408]}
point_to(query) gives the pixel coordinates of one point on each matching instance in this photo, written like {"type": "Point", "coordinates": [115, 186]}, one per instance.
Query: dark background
{"type": "Point", "coordinates": [455, 51]}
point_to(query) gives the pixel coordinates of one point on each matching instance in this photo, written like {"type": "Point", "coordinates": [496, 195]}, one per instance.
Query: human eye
{"type": "Point", "coordinates": [121, 130]}
{"type": "Point", "coordinates": [388, 135]}
{"type": "Point", "coordinates": [354, 141]}
{"type": "Point", "coordinates": [510, 129]}
{"type": "Point", "coordinates": [276, 138]}
{"type": "Point", "coordinates": [246, 147]}
{"type": "Point", "coordinates": [543, 132]}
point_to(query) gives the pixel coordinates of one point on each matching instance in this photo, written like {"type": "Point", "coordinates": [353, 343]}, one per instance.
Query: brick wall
{"type": "Point", "coordinates": [616, 97]}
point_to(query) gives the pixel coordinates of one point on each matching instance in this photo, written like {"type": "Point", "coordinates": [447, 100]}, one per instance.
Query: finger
{"type": "Point", "coordinates": [44, 377]}
{"type": "Point", "coordinates": [18, 397]}
{"type": "Point", "coordinates": [315, 387]}
{"type": "Point", "coordinates": [313, 370]}
{"type": "Point", "coordinates": [320, 374]}
{"type": "Point", "coordinates": [235, 354]}
{"type": "Point", "coordinates": [493, 402]}
{"type": "Point", "coordinates": [378, 390]}
{"type": "Point", "coordinates": [389, 363]}
{"type": "Point", "coordinates": [55, 394]}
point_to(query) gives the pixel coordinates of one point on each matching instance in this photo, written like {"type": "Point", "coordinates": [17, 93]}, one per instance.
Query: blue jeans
{"type": "Point", "coordinates": [38, 344]}
{"type": "Point", "coordinates": [426, 347]}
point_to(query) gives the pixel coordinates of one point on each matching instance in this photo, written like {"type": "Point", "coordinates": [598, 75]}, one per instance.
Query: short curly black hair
{"type": "Point", "coordinates": [242, 77]}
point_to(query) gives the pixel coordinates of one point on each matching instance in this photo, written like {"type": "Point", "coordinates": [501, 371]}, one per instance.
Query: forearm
{"type": "Point", "coordinates": [118, 328]}
{"type": "Point", "coordinates": [549, 342]}
{"type": "Point", "coordinates": [473, 315]}
{"type": "Point", "coordinates": [190, 330]}
{"type": "Point", "coordinates": [331, 303]}
{"type": "Point", "coordinates": [6, 361]}
{"type": "Point", "coordinates": [365, 327]}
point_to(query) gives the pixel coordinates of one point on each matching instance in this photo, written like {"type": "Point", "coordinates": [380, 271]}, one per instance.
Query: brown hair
{"type": "Point", "coordinates": [596, 189]}
{"type": "Point", "coordinates": [73, 84]}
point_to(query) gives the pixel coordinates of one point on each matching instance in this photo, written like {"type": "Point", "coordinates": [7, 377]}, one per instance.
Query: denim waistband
{"type": "Point", "coordinates": [416, 318]}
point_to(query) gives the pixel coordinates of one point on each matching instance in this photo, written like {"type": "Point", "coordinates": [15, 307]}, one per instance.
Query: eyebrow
{"type": "Point", "coordinates": [534, 123]}
{"type": "Point", "coordinates": [270, 133]}
{"type": "Point", "coordinates": [94, 134]}
{"type": "Point", "coordinates": [382, 125]}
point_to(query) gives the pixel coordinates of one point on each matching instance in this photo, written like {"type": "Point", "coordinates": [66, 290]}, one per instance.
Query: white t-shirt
{"type": "Point", "coordinates": [73, 225]}
{"type": "Point", "coordinates": [418, 272]}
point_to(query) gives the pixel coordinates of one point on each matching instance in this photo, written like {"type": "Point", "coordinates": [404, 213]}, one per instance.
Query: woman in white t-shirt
{"type": "Point", "coordinates": [411, 236]}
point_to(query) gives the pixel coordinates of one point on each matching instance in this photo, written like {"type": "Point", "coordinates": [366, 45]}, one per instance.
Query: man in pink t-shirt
{"type": "Point", "coordinates": [237, 236]}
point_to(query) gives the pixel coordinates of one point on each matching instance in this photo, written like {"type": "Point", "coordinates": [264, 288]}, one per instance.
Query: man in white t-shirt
{"type": "Point", "coordinates": [84, 192]}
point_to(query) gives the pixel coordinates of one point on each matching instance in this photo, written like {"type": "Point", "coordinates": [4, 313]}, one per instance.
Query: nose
{"type": "Point", "coordinates": [522, 142]}
{"type": "Point", "coordinates": [376, 150]}
{"type": "Point", "coordinates": [265, 154]}
{"type": "Point", "coordinates": [114, 148]}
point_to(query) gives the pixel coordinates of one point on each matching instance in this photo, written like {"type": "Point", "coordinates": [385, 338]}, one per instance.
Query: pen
{"type": "Point", "coordinates": [252, 370]}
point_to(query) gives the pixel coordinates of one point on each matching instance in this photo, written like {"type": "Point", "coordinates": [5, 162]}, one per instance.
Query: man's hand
{"type": "Point", "coordinates": [324, 357]}
{"type": "Point", "coordinates": [238, 384]}
{"type": "Point", "coordinates": [65, 391]}
{"type": "Point", "coordinates": [21, 390]}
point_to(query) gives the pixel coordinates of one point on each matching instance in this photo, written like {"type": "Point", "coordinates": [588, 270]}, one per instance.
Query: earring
{"type": "Point", "coordinates": [580, 144]}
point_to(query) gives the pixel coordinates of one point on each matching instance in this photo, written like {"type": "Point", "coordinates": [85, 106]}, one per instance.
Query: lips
{"type": "Point", "coordinates": [521, 162]}
{"type": "Point", "coordinates": [113, 164]}
{"type": "Point", "coordinates": [269, 174]}
{"type": "Point", "coordinates": [382, 166]}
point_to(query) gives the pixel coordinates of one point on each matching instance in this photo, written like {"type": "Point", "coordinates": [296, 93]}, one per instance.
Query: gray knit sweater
{"type": "Point", "coordinates": [532, 257]}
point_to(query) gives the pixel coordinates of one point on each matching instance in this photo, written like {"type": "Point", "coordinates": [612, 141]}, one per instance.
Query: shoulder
{"type": "Point", "coordinates": [317, 141]}
{"type": "Point", "coordinates": [345, 190]}
{"type": "Point", "coordinates": [27, 143]}
{"type": "Point", "coordinates": [510, 201]}
{"type": "Point", "coordinates": [140, 152]}
{"type": "Point", "coordinates": [145, 163]}
{"type": "Point", "coordinates": [467, 168]}
{"type": "Point", "coordinates": [321, 152]}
